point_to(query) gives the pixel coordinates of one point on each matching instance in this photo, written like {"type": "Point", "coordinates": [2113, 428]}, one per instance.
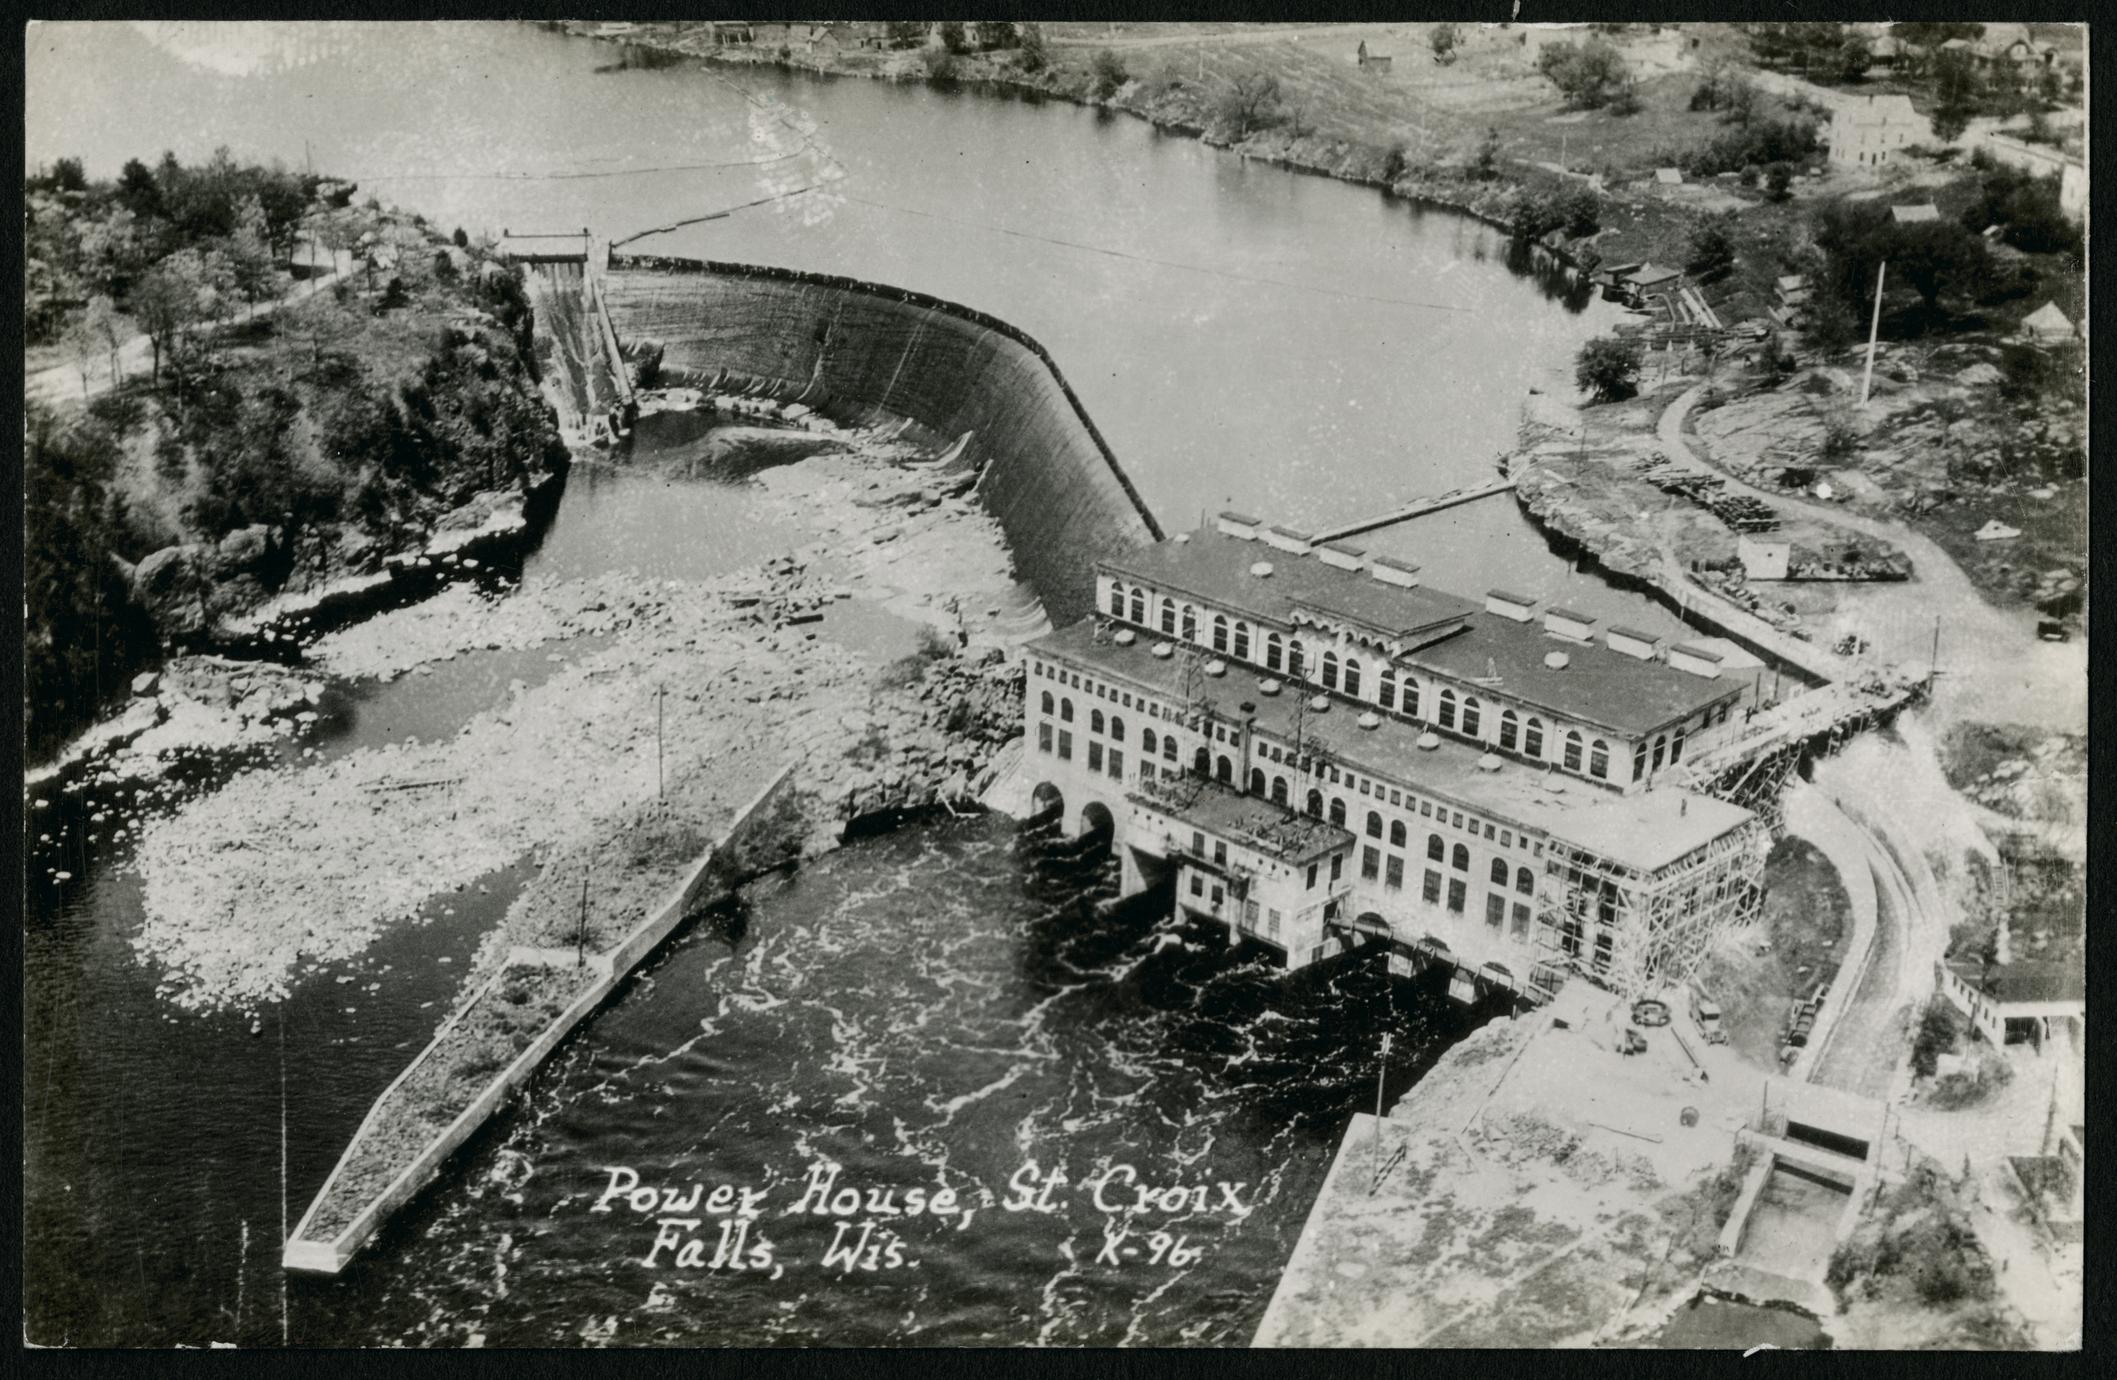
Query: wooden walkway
{"type": "Point", "coordinates": [1417, 508]}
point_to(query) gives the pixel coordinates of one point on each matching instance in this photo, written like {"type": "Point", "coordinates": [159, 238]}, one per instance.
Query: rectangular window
{"type": "Point", "coordinates": [1312, 876]}
{"type": "Point", "coordinates": [1489, 830]}
{"type": "Point", "coordinates": [1249, 914]}
{"type": "Point", "coordinates": [1521, 920]}
{"type": "Point", "coordinates": [1495, 911]}
{"type": "Point", "coordinates": [1394, 796]}
{"type": "Point", "coordinates": [1198, 885]}
{"type": "Point", "coordinates": [1043, 737]}
{"type": "Point", "coordinates": [1216, 898]}
{"type": "Point", "coordinates": [1430, 888]}
{"type": "Point", "coordinates": [1146, 771]}
{"type": "Point", "coordinates": [1457, 820]}
{"type": "Point", "coordinates": [1117, 764]}
{"type": "Point", "coordinates": [1393, 877]}
{"type": "Point", "coordinates": [1457, 894]}
{"type": "Point", "coordinates": [1370, 864]}
{"type": "Point", "coordinates": [1065, 746]}
{"type": "Point", "coordinates": [1426, 808]}
{"type": "Point", "coordinates": [1506, 838]}
{"type": "Point", "coordinates": [1220, 853]}
{"type": "Point", "coordinates": [1271, 922]}
{"type": "Point", "coordinates": [1198, 844]}
{"type": "Point", "coordinates": [1337, 866]}
{"type": "Point", "coordinates": [1095, 756]}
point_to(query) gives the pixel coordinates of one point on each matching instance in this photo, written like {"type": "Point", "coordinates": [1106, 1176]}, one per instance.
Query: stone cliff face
{"type": "Point", "coordinates": [858, 353]}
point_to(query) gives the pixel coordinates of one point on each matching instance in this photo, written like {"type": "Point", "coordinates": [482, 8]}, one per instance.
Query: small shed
{"type": "Point", "coordinates": [1669, 177]}
{"type": "Point", "coordinates": [1373, 62]}
{"type": "Point", "coordinates": [1653, 278]}
{"type": "Point", "coordinates": [1925, 213]}
{"type": "Point", "coordinates": [2047, 325]}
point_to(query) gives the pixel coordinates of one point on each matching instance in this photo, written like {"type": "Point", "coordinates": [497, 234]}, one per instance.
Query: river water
{"type": "Point", "coordinates": [939, 1006]}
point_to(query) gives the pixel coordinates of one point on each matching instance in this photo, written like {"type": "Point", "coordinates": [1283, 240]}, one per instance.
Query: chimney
{"type": "Point", "coordinates": [1288, 539]}
{"type": "Point", "coordinates": [1342, 556]}
{"type": "Point", "coordinates": [1390, 571]}
{"type": "Point", "coordinates": [1574, 627]}
{"type": "Point", "coordinates": [1515, 606]}
{"type": "Point", "coordinates": [1237, 525]}
{"type": "Point", "coordinates": [1698, 660]}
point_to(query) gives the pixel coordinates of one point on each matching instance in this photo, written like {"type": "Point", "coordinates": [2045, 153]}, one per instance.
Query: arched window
{"type": "Point", "coordinates": [1533, 738]}
{"type": "Point", "coordinates": [1374, 825]}
{"type": "Point", "coordinates": [1411, 697]}
{"type": "Point", "coordinates": [1386, 693]}
{"type": "Point", "coordinates": [1639, 760]}
{"type": "Point", "coordinates": [1524, 881]}
{"type": "Point", "coordinates": [1352, 676]}
{"type": "Point", "coordinates": [1470, 715]}
{"type": "Point", "coordinates": [1242, 642]}
{"type": "Point", "coordinates": [1066, 710]}
{"type": "Point", "coordinates": [1599, 759]}
{"type": "Point", "coordinates": [1315, 804]}
{"type": "Point", "coordinates": [1095, 721]}
{"type": "Point", "coordinates": [1168, 748]}
{"type": "Point", "coordinates": [1661, 747]}
{"type": "Point", "coordinates": [1447, 709]}
{"type": "Point", "coordinates": [1168, 617]}
{"type": "Point", "coordinates": [1220, 632]}
{"type": "Point", "coordinates": [1294, 667]}
{"type": "Point", "coordinates": [1190, 623]}
{"type": "Point", "coordinates": [1048, 703]}
{"type": "Point", "coordinates": [1330, 670]}
{"type": "Point", "coordinates": [1337, 812]}
{"type": "Point", "coordinates": [1459, 858]}
{"type": "Point", "coordinates": [1510, 730]}
{"type": "Point", "coordinates": [1225, 770]}
{"type": "Point", "coordinates": [1435, 849]}
{"type": "Point", "coordinates": [1147, 742]}
{"type": "Point", "coordinates": [1676, 747]}
{"type": "Point", "coordinates": [1396, 833]}
{"type": "Point", "coordinates": [1499, 873]}
{"type": "Point", "coordinates": [1202, 762]}
{"type": "Point", "coordinates": [1279, 790]}
{"type": "Point", "coordinates": [1256, 780]}
{"type": "Point", "coordinates": [1274, 649]}
{"type": "Point", "coordinates": [1139, 605]}
{"type": "Point", "coordinates": [1117, 728]}
{"type": "Point", "coordinates": [1117, 600]}
{"type": "Point", "coordinates": [1572, 750]}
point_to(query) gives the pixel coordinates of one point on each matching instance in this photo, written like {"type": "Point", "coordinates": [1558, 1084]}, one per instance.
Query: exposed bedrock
{"type": "Point", "coordinates": [857, 352]}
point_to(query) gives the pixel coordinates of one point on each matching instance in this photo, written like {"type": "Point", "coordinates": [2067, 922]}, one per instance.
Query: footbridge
{"type": "Point", "coordinates": [1416, 508]}
{"type": "Point", "coordinates": [584, 374]}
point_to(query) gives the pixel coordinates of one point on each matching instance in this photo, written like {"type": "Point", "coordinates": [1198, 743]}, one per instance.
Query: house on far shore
{"type": "Point", "coordinates": [1373, 62]}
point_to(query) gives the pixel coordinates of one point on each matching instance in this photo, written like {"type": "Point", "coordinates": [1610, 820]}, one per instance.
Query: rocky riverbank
{"type": "Point", "coordinates": [869, 656]}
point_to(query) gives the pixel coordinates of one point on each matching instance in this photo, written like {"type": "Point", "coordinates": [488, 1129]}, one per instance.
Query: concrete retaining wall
{"type": "Point", "coordinates": [858, 352]}
{"type": "Point", "coordinates": [611, 968]}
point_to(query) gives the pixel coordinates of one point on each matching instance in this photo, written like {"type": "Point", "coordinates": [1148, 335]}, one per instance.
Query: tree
{"type": "Point", "coordinates": [137, 190]}
{"type": "Point", "coordinates": [1109, 73]}
{"type": "Point", "coordinates": [1956, 93]}
{"type": "Point", "coordinates": [1589, 76]}
{"type": "Point", "coordinates": [462, 241]}
{"type": "Point", "coordinates": [1608, 368]}
{"type": "Point", "coordinates": [1249, 102]}
{"type": "Point", "coordinates": [1855, 55]}
{"type": "Point", "coordinates": [1444, 40]}
{"type": "Point", "coordinates": [1712, 252]}
{"type": "Point", "coordinates": [1580, 212]}
{"type": "Point", "coordinates": [1034, 57]}
{"type": "Point", "coordinates": [1741, 101]}
{"type": "Point", "coordinates": [907, 33]}
{"type": "Point", "coordinates": [1485, 163]}
{"type": "Point", "coordinates": [1779, 181]}
{"type": "Point", "coordinates": [994, 34]}
{"type": "Point", "coordinates": [952, 39]}
{"type": "Point", "coordinates": [165, 301]}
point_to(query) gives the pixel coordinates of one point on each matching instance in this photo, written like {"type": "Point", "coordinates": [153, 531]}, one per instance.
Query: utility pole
{"type": "Point", "coordinates": [580, 933]}
{"type": "Point", "coordinates": [1381, 1071]}
{"type": "Point", "coordinates": [660, 792]}
{"type": "Point", "coordinates": [1934, 674]}
{"type": "Point", "coordinates": [1874, 331]}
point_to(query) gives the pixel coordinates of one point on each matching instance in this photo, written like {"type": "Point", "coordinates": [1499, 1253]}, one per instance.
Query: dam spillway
{"type": "Point", "coordinates": [859, 352]}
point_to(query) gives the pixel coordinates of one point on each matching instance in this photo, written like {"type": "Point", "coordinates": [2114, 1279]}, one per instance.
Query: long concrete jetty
{"type": "Point", "coordinates": [311, 1253]}
{"type": "Point", "coordinates": [1417, 508]}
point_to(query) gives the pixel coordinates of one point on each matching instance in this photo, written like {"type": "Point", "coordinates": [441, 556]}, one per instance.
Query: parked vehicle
{"type": "Point", "coordinates": [1705, 1015]}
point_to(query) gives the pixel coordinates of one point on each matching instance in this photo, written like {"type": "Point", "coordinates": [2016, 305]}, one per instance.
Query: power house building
{"type": "Point", "coordinates": [1315, 747]}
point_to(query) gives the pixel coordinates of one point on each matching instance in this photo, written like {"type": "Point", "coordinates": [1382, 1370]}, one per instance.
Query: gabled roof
{"type": "Point", "coordinates": [1921, 214]}
{"type": "Point", "coordinates": [2048, 318]}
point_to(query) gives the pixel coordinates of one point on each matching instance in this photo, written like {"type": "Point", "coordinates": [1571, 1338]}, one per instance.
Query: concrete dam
{"type": "Point", "coordinates": [860, 353]}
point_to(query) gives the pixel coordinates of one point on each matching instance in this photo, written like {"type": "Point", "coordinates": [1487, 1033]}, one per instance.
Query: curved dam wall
{"type": "Point", "coordinates": [853, 350]}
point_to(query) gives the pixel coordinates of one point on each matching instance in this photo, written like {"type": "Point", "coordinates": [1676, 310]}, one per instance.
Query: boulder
{"type": "Point", "coordinates": [146, 682]}
{"type": "Point", "coordinates": [244, 547]}
{"type": "Point", "coordinates": [169, 585]}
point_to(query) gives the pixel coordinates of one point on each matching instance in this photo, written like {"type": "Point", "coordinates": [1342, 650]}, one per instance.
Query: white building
{"type": "Point", "coordinates": [1874, 130]}
{"type": "Point", "coordinates": [1321, 748]}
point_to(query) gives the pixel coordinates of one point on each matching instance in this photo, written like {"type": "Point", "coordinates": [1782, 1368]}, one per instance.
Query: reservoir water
{"type": "Point", "coordinates": [939, 1005]}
